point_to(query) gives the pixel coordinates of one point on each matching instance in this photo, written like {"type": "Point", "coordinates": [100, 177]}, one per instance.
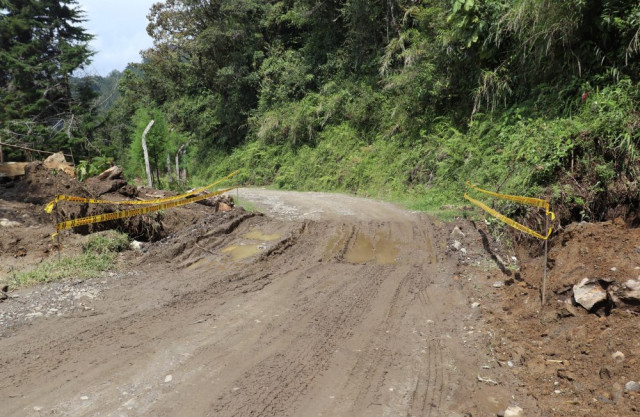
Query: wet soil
{"type": "Point", "coordinates": [316, 305]}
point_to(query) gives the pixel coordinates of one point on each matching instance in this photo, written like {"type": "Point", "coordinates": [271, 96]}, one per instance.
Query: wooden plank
{"type": "Point", "coordinates": [12, 169]}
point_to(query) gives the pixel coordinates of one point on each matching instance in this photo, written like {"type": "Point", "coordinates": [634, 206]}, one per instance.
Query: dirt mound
{"type": "Point", "coordinates": [573, 360]}
{"type": "Point", "coordinates": [25, 228]}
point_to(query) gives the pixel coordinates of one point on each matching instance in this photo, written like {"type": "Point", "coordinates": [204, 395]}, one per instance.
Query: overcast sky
{"type": "Point", "coordinates": [120, 32]}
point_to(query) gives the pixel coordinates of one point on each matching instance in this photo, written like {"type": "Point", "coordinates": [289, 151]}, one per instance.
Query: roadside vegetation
{"type": "Point", "coordinates": [398, 99]}
{"type": "Point", "coordinates": [98, 254]}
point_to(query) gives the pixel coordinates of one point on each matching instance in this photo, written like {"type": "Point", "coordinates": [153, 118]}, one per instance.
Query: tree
{"type": "Point", "coordinates": [41, 45]}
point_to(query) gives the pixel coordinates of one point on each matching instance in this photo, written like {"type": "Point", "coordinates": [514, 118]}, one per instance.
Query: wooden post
{"type": "Point", "coordinates": [546, 251]}
{"type": "Point", "coordinates": [146, 154]}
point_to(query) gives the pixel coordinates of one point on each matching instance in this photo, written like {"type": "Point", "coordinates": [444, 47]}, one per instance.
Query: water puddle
{"type": "Point", "coordinates": [381, 249]}
{"type": "Point", "coordinates": [239, 252]}
{"type": "Point", "coordinates": [257, 234]}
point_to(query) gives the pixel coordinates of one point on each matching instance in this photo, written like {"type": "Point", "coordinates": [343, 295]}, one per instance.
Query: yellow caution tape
{"type": "Point", "coordinates": [50, 206]}
{"type": "Point", "coordinates": [530, 201]}
{"type": "Point", "coordinates": [130, 213]}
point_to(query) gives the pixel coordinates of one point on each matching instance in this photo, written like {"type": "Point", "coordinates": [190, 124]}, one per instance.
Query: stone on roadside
{"type": "Point", "coordinates": [456, 245]}
{"type": "Point", "coordinates": [223, 207]}
{"type": "Point", "coordinates": [589, 293]}
{"type": "Point", "coordinates": [631, 386]}
{"type": "Point", "coordinates": [457, 234]}
{"type": "Point", "coordinates": [514, 411]}
{"type": "Point", "coordinates": [616, 391]}
{"type": "Point", "coordinates": [8, 223]}
{"type": "Point", "coordinates": [135, 245]}
{"type": "Point", "coordinates": [617, 356]}
{"type": "Point", "coordinates": [498, 284]}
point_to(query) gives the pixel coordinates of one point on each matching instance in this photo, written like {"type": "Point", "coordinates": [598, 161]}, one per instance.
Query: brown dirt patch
{"type": "Point", "coordinates": [565, 355]}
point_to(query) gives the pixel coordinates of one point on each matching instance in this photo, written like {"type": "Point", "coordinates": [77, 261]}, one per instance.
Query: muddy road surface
{"type": "Point", "coordinates": [320, 305]}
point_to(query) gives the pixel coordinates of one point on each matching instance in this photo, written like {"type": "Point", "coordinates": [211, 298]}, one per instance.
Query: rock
{"type": "Point", "coordinates": [475, 305]}
{"type": "Point", "coordinates": [168, 378]}
{"type": "Point", "coordinates": [135, 245]}
{"type": "Point", "coordinates": [128, 190]}
{"type": "Point", "coordinates": [59, 163]}
{"type": "Point", "coordinates": [457, 234]}
{"type": "Point", "coordinates": [456, 245]}
{"type": "Point", "coordinates": [605, 372]}
{"type": "Point", "coordinates": [223, 207]}
{"type": "Point", "coordinates": [498, 284]}
{"type": "Point", "coordinates": [8, 223]}
{"type": "Point", "coordinates": [631, 386]}
{"type": "Point", "coordinates": [629, 292]}
{"type": "Point", "coordinates": [568, 310]}
{"type": "Point", "coordinates": [514, 411]}
{"type": "Point", "coordinates": [589, 293]}
{"type": "Point", "coordinates": [617, 356]}
{"type": "Point", "coordinates": [616, 391]}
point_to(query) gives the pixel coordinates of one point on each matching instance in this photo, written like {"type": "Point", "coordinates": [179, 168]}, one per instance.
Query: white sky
{"type": "Point", "coordinates": [120, 32]}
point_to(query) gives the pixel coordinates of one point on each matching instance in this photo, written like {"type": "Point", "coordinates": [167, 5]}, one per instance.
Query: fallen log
{"type": "Point", "coordinates": [12, 169]}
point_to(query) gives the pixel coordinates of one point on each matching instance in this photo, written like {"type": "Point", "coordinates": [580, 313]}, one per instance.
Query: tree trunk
{"type": "Point", "coordinates": [146, 154]}
{"type": "Point", "coordinates": [178, 166]}
{"type": "Point", "coordinates": [184, 176]}
{"type": "Point", "coordinates": [181, 150]}
{"type": "Point", "coordinates": [169, 173]}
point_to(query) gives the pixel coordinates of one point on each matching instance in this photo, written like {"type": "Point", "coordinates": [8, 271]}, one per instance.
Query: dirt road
{"type": "Point", "coordinates": [326, 305]}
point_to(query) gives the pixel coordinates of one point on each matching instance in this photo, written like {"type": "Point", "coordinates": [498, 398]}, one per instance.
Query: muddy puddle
{"type": "Point", "coordinates": [247, 250]}
{"type": "Point", "coordinates": [380, 249]}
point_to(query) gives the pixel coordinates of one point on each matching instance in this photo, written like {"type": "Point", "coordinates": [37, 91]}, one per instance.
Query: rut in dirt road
{"type": "Point", "coordinates": [335, 316]}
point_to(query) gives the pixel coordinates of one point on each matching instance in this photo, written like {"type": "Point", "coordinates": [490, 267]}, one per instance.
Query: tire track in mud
{"type": "Point", "coordinates": [289, 373]}
{"type": "Point", "coordinates": [358, 331]}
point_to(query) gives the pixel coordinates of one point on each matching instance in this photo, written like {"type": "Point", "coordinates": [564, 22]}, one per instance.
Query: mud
{"type": "Point", "coordinates": [317, 305]}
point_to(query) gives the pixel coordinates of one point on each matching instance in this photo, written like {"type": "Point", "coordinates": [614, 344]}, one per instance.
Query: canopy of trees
{"type": "Point", "coordinates": [356, 95]}
{"type": "Point", "coordinates": [41, 44]}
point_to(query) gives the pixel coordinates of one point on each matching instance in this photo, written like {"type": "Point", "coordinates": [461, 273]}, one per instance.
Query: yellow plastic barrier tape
{"type": "Point", "coordinates": [50, 206]}
{"type": "Point", "coordinates": [130, 213]}
{"type": "Point", "coordinates": [530, 201]}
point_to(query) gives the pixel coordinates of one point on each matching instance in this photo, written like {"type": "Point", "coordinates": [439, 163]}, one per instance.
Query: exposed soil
{"type": "Point", "coordinates": [572, 361]}
{"type": "Point", "coordinates": [323, 305]}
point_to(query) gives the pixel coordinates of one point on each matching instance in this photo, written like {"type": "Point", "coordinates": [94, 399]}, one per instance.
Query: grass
{"type": "Point", "coordinates": [98, 254]}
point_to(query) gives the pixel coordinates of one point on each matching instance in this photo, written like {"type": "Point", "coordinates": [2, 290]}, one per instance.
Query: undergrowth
{"type": "Point", "coordinates": [579, 161]}
{"type": "Point", "coordinates": [98, 254]}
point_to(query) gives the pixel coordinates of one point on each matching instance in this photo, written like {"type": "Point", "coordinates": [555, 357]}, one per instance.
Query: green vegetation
{"type": "Point", "coordinates": [98, 254]}
{"type": "Point", "coordinates": [400, 99]}
{"type": "Point", "coordinates": [41, 45]}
